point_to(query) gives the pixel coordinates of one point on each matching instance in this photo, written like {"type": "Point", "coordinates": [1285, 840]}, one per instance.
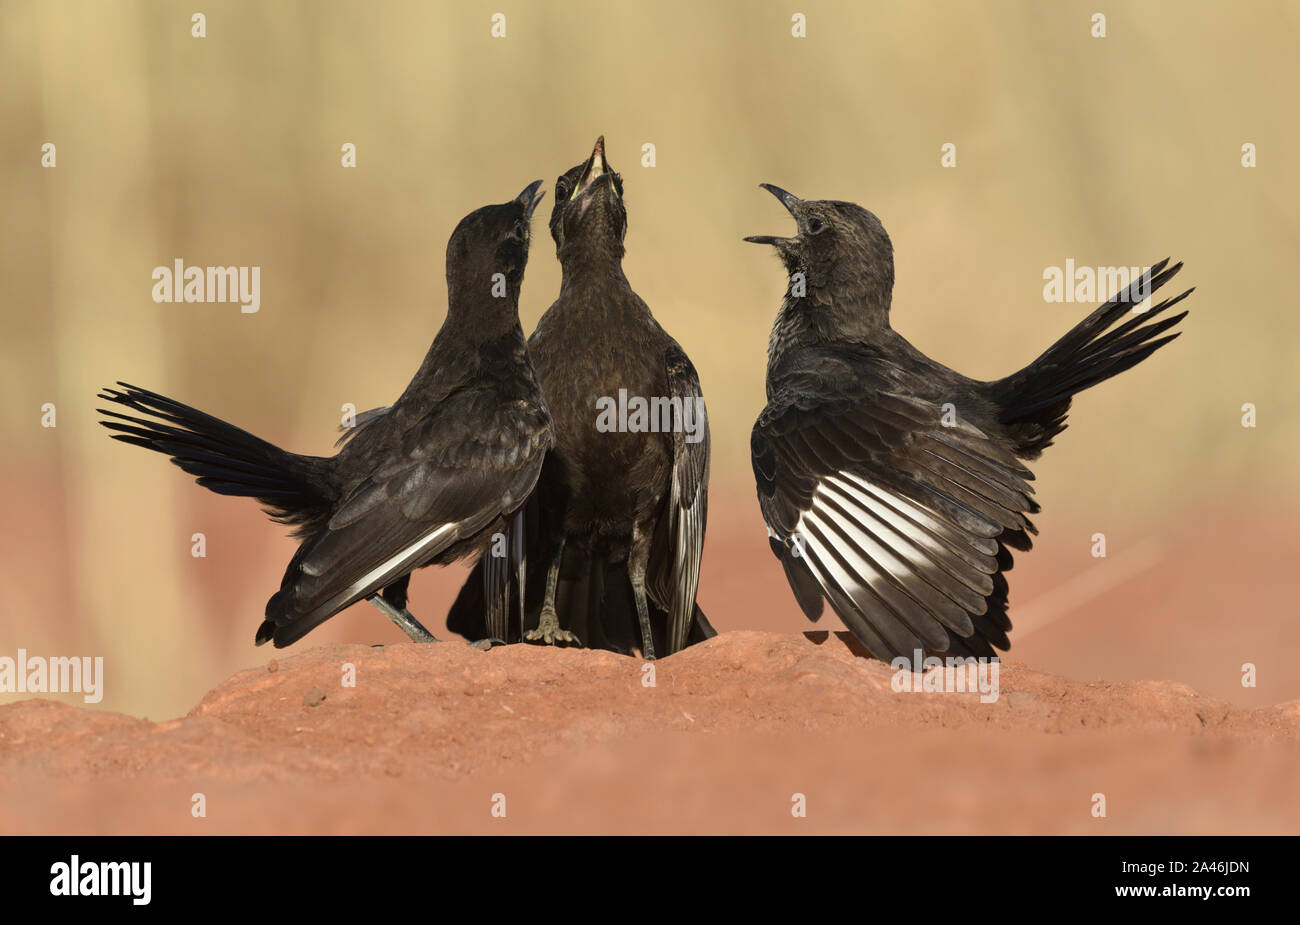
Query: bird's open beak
{"type": "Point", "coordinates": [530, 197]}
{"type": "Point", "coordinates": [596, 168]}
{"type": "Point", "coordinates": [790, 201]}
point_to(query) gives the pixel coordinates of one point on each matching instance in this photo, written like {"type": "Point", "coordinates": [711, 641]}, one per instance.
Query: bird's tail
{"type": "Point", "coordinates": [225, 459]}
{"type": "Point", "coordinates": [593, 599]}
{"type": "Point", "coordinates": [1035, 401]}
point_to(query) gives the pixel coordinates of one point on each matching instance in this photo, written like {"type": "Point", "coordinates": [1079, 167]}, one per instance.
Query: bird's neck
{"type": "Point", "coordinates": [481, 319]}
{"type": "Point", "coordinates": [819, 319]}
{"type": "Point", "coordinates": [592, 269]}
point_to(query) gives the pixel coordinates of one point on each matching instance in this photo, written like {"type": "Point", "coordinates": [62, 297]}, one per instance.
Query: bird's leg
{"type": "Point", "coordinates": [548, 626]}
{"type": "Point", "coordinates": [636, 563]}
{"type": "Point", "coordinates": [403, 618]}
{"type": "Point", "coordinates": [643, 616]}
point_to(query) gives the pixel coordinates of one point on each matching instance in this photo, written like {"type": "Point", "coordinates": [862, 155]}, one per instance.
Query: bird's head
{"type": "Point", "coordinates": [492, 240]}
{"type": "Point", "coordinates": [588, 214]}
{"type": "Point", "coordinates": [839, 246]}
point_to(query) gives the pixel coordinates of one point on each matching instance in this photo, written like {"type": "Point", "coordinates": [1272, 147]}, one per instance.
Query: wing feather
{"type": "Point", "coordinates": [901, 516]}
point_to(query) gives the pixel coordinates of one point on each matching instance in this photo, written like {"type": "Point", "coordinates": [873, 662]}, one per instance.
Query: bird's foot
{"type": "Point", "coordinates": [485, 644]}
{"type": "Point", "coordinates": [549, 631]}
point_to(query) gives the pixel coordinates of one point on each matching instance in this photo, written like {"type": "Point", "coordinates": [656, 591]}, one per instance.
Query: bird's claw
{"type": "Point", "coordinates": [549, 631]}
{"type": "Point", "coordinates": [484, 644]}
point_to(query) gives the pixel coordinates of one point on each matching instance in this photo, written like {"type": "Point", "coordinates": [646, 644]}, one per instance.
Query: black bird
{"type": "Point", "coordinates": [429, 481]}
{"type": "Point", "coordinates": [891, 485]}
{"type": "Point", "coordinates": [618, 516]}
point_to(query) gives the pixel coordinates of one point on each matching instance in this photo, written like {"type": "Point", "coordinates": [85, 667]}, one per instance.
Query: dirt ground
{"type": "Point", "coordinates": [448, 739]}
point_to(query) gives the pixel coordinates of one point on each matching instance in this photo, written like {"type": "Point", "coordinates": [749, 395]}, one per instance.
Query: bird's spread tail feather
{"type": "Point", "coordinates": [224, 458]}
{"type": "Point", "coordinates": [1035, 400]}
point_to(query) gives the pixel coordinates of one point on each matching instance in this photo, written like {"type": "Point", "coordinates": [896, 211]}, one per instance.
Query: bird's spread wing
{"type": "Point", "coordinates": [898, 520]}
{"type": "Point", "coordinates": [447, 477]}
{"type": "Point", "coordinates": [677, 581]}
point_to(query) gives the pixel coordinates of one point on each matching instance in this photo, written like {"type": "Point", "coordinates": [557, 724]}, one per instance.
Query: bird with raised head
{"type": "Point", "coordinates": [429, 480]}
{"type": "Point", "coordinates": [892, 486]}
{"type": "Point", "coordinates": [616, 526]}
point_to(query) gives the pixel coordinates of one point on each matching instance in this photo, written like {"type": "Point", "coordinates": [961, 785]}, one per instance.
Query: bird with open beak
{"type": "Point", "coordinates": [892, 486]}
{"type": "Point", "coordinates": [616, 525]}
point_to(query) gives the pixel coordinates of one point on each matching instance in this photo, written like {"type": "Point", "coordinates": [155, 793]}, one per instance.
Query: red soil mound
{"type": "Point", "coordinates": [434, 738]}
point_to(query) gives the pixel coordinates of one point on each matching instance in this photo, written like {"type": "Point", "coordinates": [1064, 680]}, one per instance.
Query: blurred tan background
{"type": "Point", "coordinates": [225, 150]}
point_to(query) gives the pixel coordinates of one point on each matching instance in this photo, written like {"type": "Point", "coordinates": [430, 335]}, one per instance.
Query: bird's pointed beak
{"type": "Point", "coordinates": [766, 239]}
{"type": "Point", "coordinates": [530, 197]}
{"type": "Point", "coordinates": [787, 199]}
{"type": "Point", "coordinates": [596, 168]}
{"type": "Point", "coordinates": [790, 201]}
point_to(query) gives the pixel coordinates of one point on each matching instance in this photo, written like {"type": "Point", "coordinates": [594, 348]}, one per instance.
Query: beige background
{"type": "Point", "coordinates": [225, 150]}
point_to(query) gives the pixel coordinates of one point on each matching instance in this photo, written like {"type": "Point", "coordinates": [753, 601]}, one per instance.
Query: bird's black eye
{"type": "Point", "coordinates": [561, 190]}
{"type": "Point", "coordinates": [521, 231]}
{"type": "Point", "coordinates": [618, 185]}
{"type": "Point", "coordinates": [815, 224]}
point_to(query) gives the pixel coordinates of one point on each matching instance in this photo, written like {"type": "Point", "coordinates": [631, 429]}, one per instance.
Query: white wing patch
{"type": "Point", "coordinates": [400, 562]}
{"type": "Point", "coordinates": [894, 559]}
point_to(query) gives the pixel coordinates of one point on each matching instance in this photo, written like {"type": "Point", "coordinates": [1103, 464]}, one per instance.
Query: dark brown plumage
{"type": "Point", "coordinates": [427, 481]}
{"type": "Point", "coordinates": [891, 485]}
{"type": "Point", "coordinates": [615, 531]}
